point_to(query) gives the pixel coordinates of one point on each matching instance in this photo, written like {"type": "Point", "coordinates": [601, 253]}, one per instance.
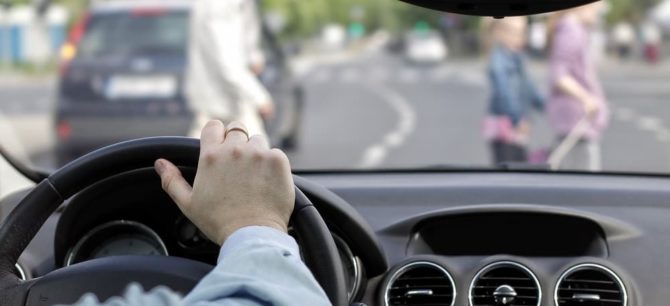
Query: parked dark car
{"type": "Point", "coordinates": [122, 77]}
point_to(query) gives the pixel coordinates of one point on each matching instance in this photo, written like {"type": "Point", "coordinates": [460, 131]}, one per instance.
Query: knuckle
{"type": "Point", "coordinates": [257, 155]}
{"type": "Point", "coordinates": [209, 157]}
{"type": "Point", "coordinates": [212, 123]}
{"type": "Point", "coordinates": [237, 152]}
{"type": "Point", "coordinates": [277, 156]}
{"type": "Point", "coordinates": [258, 139]}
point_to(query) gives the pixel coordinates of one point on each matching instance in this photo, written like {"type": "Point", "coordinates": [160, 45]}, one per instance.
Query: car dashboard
{"type": "Point", "coordinates": [418, 238]}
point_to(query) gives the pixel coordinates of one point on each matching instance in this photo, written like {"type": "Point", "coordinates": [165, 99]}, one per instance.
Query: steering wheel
{"type": "Point", "coordinates": [108, 276]}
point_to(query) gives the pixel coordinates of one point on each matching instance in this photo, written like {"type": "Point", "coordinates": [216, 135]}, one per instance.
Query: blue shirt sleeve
{"type": "Point", "coordinates": [257, 266]}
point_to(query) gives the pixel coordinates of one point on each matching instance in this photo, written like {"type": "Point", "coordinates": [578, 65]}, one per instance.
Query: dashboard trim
{"type": "Point", "coordinates": [22, 273]}
{"type": "Point", "coordinates": [358, 277]}
{"type": "Point", "coordinates": [595, 266]}
{"type": "Point", "coordinates": [409, 265]}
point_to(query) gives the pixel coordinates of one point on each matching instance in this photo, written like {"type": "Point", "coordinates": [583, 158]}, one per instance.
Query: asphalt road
{"type": "Point", "coordinates": [378, 111]}
{"type": "Point", "coordinates": [374, 110]}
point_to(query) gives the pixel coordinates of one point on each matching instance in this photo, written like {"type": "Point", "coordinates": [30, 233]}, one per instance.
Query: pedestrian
{"type": "Point", "coordinates": [537, 38]}
{"type": "Point", "coordinates": [224, 60]}
{"type": "Point", "coordinates": [513, 93]}
{"type": "Point", "coordinates": [576, 94]}
{"type": "Point", "coordinates": [623, 35]}
{"type": "Point", "coordinates": [652, 40]}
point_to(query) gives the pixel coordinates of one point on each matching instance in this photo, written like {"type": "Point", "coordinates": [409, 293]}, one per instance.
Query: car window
{"type": "Point", "coordinates": [128, 32]}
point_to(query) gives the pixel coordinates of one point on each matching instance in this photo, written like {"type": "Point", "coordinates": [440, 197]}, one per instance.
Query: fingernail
{"type": "Point", "coordinates": [159, 165]}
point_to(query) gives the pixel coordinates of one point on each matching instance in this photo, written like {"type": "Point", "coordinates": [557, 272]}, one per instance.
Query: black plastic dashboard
{"type": "Point", "coordinates": [466, 224]}
{"type": "Point", "coordinates": [624, 219]}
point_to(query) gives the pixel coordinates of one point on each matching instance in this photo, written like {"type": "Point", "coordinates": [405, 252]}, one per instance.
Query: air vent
{"type": "Point", "coordinates": [590, 285]}
{"type": "Point", "coordinates": [505, 283]}
{"type": "Point", "coordinates": [420, 283]}
{"type": "Point", "coordinates": [20, 272]}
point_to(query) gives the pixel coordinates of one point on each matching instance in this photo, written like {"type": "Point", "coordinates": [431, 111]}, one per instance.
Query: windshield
{"type": "Point", "coordinates": [344, 84]}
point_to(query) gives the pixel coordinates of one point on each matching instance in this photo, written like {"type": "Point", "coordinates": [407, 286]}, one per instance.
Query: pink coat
{"type": "Point", "coordinates": [571, 55]}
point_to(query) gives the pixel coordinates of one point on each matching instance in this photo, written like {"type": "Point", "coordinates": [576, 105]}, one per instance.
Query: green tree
{"type": "Point", "coordinates": [629, 10]}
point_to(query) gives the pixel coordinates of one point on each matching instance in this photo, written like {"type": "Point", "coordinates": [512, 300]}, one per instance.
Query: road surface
{"type": "Point", "coordinates": [374, 110]}
{"type": "Point", "coordinates": [378, 111]}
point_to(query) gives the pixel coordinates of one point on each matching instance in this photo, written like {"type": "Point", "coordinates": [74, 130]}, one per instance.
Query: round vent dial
{"type": "Point", "coordinates": [590, 285]}
{"type": "Point", "coordinates": [420, 283]}
{"type": "Point", "coordinates": [505, 283]}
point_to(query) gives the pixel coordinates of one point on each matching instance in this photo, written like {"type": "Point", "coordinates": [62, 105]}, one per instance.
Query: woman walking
{"type": "Point", "coordinates": [576, 100]}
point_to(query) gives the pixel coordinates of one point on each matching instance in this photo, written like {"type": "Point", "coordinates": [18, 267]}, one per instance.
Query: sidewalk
{"type": "Point", "coordinates": [632, 69]}
{"type": "Point", "coordinates": [19, 79]}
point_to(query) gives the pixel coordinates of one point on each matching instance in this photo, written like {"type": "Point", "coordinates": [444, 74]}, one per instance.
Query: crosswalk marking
{"type": "Point", "coordinates": [441, 73]}
{"type": "Point", "coordinates": [388, 74]}
{"type": "Point", "coordinates": [649, 124]}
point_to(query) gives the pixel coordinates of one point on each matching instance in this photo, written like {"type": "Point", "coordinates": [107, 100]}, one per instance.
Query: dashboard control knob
{"type": "Point", "coordinates": [504, 295]}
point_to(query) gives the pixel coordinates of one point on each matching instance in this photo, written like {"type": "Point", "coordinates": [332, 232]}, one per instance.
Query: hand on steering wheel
{"type": "Point", "coordinates": [109, 276]}
{"type": "Point", "coordinates": [255, 181]}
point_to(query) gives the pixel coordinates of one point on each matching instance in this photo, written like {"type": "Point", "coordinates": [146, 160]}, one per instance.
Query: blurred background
{"type": "Point", "coordinates": [360, 84]}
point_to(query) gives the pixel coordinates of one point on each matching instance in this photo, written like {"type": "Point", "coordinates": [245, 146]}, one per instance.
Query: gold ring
{"type": "Point", "coordinates": [236, 129]}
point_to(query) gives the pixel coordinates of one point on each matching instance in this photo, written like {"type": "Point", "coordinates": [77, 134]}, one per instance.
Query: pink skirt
{"type": "Point", "coordinates": [500, 128]}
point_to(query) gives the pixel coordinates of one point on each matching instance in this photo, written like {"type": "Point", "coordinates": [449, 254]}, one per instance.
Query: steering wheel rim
{"type": "Point", "coordinates": [318, 248]}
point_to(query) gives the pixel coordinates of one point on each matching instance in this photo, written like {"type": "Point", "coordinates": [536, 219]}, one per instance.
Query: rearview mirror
{"type": "Point", "coordinates": [499, 8]}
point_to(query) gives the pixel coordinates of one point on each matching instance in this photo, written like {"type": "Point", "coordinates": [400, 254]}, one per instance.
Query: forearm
{"type": "Point", "coordinates": [257, 265]}
{"type": "Point", "coordinates": [571, 87]}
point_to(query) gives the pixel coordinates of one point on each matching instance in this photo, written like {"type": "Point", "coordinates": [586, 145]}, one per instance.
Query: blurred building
{"type": "Point", "coordinates": [27, 36]}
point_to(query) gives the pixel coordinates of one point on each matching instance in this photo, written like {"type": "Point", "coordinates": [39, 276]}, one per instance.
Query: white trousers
{"type": "Point", "coordinates": [585, 156]}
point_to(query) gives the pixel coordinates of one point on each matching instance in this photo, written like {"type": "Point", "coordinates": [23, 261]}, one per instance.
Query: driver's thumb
{"type": "Point", "coordinates": [174, 183]}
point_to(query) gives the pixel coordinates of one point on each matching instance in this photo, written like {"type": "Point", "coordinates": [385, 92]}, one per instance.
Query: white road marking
{"type": "Point", "coordinates": [472, 78]}
{"type": "Point", "coordinates": [375, 154]}
{"type": "Point", "coordinates": [393, 140]}
{"type": "Point", "coordinates": [663, 135]}
{"type": "Point", "coordinates": [649, 124]}
{"type": "Point", "coordinates": [441, 73]}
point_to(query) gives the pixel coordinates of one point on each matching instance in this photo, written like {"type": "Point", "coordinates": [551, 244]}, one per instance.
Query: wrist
{"type": "Point", "coordinates": [256, 236]}
{"type": "Point", "coordinates": [233, 226]}
{"type": "Point", "coordinates": [586, 98]}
